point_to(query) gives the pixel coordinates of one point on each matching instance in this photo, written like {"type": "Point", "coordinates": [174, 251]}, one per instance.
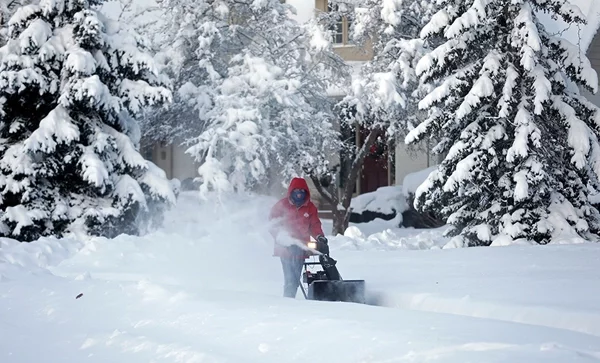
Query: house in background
{"type": "Point", "coordinates": [172, 158]}
{"type": "Point", "coordinates": [379, 169]}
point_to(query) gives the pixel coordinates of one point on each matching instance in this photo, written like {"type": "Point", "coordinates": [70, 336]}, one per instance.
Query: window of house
{"type": "Point", "coordinates": [341, 29]}
{"type": "Point", "coordinates": [338, 35]}
{"type": "Point", "coordinates": [348, 28]}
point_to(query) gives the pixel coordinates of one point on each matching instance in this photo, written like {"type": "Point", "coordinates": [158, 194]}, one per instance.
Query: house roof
{"type": "Point", "coordinates": [578, 35]}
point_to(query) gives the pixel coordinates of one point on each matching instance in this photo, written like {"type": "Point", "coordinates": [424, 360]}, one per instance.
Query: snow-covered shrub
{"type": "Point", "coordinates": [385, 203]}
{"type": "Point", "coordinates": [520, 142]}
{"type": "Point", "coordinates": [71, 85]}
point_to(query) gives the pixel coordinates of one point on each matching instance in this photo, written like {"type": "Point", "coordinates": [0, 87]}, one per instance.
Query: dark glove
{"type": "Point", "coordinates": [322, 245]}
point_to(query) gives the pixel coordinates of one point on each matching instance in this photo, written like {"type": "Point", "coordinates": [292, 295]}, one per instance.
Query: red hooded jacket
{"type": "Point", "coordinates": [300, 222]}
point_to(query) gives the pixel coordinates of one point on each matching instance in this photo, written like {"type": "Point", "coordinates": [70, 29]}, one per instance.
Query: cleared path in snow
{"type": "Point", "coordinates": [551, 286]}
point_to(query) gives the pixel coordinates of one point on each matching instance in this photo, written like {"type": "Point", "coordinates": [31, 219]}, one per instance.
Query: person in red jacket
{"type": "Point", "coordinates": [297, 216]}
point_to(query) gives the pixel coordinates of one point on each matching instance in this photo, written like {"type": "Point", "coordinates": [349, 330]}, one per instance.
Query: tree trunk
{"type": "Point", "coordinates": [341, 219]}
{"type": "Point", "coordinates": [340, 208]}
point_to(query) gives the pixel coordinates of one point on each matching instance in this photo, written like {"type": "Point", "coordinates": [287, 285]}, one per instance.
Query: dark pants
{"type": "Point", "coordinates": [292, 270]}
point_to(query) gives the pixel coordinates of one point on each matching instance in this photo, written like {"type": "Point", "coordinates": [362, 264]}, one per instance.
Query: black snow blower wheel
{"type": "Point", "coordinates": [328, 285]}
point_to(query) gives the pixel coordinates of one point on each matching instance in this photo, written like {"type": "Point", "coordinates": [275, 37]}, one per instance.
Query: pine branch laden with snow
{"type": "Point", "coordinates": [252, 85]}
{"type": "Point", "coordinates": [520, 142]}
{"type": "Point", "coordinates": [71, 86]}
{"type": "Point", "coordinates": [7, 9]}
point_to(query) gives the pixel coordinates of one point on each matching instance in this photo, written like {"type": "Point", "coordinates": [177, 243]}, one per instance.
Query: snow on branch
{"type": "Point", "coordinates": [54, 129]}
{"type": "Point", "coordinates": [137, 95]}
{"type": "Point", "coordinates": [80, 61]}
{"type": "Point", "coordinates": [468, 19]}
{"type": "Point", "coordinates": [93, 169]}
{"type": "Point", "coordinates": [439, 21]}
{"type": "Point", "coordinates": [578, 132]}
{"type": "Point", "coordinates": [34, 35]}
{"type": "Point", "coordinates": [482, 88]}
{"type": "Point", "coordinates": [22, 217]}
{"type": "Point", "coordinates": [575, 63]}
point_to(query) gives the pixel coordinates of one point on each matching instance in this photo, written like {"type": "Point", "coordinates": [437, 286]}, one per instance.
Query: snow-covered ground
{"type": "Point", "coordinates": [206, 289]}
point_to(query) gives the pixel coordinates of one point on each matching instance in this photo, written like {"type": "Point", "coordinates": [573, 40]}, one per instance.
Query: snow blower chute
{"type": "Point", "coordinates": [327, 284]}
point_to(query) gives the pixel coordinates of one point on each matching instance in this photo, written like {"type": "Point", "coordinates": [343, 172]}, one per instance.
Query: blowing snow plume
{"type": "Point", "coordinates": [204, 246]}
{"type": "Point", "coordinates": [223, 244]}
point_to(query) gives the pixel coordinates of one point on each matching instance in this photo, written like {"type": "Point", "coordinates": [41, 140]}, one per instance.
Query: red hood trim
{"type": "Point", "coordinates": [299, 183]}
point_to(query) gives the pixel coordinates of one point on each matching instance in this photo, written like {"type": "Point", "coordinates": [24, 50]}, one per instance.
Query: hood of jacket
{"type": "Point", "coordinates": [299, 183]}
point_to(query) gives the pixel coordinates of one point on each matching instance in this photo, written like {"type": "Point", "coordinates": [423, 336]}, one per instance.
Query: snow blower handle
{"type": "Point", "coordinates": [322, 245]}
{"type": "Point", "coordinates": [327, 262]}
{"type": "Point", "coordinates": [318, 247]}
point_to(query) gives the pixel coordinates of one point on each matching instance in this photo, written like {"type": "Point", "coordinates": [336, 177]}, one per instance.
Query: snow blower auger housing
{"type": "Point", "coordinates": [328, 285]}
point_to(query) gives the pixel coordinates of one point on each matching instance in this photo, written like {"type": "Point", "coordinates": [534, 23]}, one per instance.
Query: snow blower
{"type": "Point", "coordinates": [327, 284]}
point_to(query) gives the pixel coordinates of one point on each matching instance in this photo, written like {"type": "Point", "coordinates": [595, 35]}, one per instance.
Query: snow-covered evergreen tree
{"type": "Point", "coordinates": [520, 142]}
{"type": "Point", "coordinates": [252, 86]}
{"type": "Point", "coordinates": [71, 85]}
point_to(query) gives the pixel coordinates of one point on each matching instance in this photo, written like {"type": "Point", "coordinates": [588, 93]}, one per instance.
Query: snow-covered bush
{"type": "Point", "coordinates": [384, 203]}
{"type": "Point", "coordinates": [520, 142]}
{"type": "Point", "coordinates": [411, 216]}
{"type": "Point", "coordinates": [384, 200]}
{"type": "Point", "coordinates": [71, 85]}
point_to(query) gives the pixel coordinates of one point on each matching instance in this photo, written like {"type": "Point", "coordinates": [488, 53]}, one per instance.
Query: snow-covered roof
{"type": "Point", "coordinates": [578, 35]}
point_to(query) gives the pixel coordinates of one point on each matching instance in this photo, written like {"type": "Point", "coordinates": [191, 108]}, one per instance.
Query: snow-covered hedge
{"type": "Point", "coordinates": [385, 200]}
{"type": "Point", "coordinates": [394, 202]}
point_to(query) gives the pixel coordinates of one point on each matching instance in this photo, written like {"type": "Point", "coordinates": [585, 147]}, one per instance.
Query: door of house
{"type": "Point", "coordinates": [375, 169]}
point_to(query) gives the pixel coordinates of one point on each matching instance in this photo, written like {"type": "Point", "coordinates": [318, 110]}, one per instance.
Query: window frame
{"type": "Point", "coordinates": [345, 25]}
